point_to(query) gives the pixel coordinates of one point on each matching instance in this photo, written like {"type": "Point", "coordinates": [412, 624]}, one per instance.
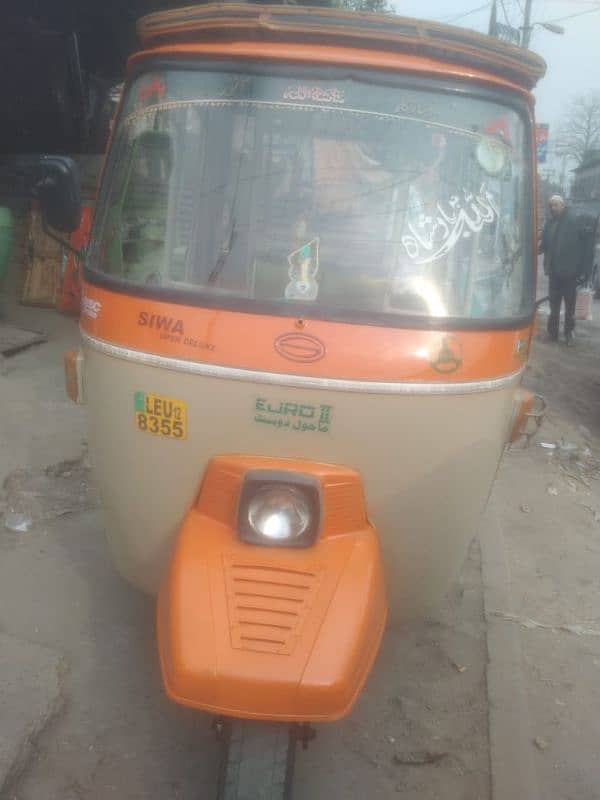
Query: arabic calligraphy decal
{"type": "Point", "coordinates": [432, 237]}
{"type": "Point", "coordinates": [298, 417]}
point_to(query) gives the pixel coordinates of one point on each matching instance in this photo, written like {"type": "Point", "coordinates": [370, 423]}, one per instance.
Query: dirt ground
{"type": "Point", "coordinates": [118, 736]}
{"type": "Point", "coordinates": [549, 502]}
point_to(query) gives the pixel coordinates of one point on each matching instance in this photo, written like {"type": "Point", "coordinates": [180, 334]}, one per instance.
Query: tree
{"type": "Point", "coordinates": [580, 130]}
{"type": "Point", "coordinates": [378, 6]}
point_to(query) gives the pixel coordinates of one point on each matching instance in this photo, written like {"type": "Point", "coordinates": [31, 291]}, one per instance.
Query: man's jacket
{"type": "Point", "coordinates": [563, 246]}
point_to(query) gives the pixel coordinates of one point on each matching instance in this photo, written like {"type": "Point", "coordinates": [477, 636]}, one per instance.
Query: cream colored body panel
{"type": "Point", "coordinates": [427, 462]}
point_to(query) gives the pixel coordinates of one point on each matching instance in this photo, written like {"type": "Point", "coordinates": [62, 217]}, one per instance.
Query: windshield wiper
{"type": "Point", "coordinates": [223, 255]}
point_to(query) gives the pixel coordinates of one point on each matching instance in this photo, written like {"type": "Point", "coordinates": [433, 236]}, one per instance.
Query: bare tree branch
{"type": "Point", "coordinates": [580, 129]}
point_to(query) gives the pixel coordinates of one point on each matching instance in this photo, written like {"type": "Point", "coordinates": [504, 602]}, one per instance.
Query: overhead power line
{"type": "Point", "coordinates": [572, 16]}
{"type": "Point", "coordinates": [464, 14]}
{"type": "Point", "coordinates": [467, 13]}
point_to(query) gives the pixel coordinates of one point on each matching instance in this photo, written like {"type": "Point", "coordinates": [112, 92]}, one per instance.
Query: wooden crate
{"type": "Point", "coordinates": [42, 265]}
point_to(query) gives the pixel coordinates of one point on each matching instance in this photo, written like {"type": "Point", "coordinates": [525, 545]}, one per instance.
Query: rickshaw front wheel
{"type": "Point", "coordinates": [257, 760]}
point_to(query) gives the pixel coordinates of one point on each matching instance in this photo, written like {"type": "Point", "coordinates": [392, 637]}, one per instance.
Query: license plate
{"type": "Point", "coordinates": [161, 416]}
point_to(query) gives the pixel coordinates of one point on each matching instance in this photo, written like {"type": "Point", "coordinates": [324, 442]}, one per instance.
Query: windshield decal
{"type": "Point", "coordinates": [90, 307]}
{"type": "Point", "coordinates": [413, 108]}
{"type": "Point", "coordinates": [459, 218]}
{"type": "Point", "coordinates": [303, 271]}
{"type": "Point", "coordinates": [153, 88]}
{"type": "Point", "coordinates": [499, 127]}
{"type": "Point", "coordinates": [316, 93]}
{"type": "Point", "coordinates": [138, 113]}
{"type": "Point", "coordinates": [238, 86]}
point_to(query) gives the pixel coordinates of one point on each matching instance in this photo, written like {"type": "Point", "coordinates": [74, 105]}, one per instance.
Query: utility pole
{"type": "Point", "coordinates": [492, 26]}
{"type": "Point", "coordinates": [527, 25]}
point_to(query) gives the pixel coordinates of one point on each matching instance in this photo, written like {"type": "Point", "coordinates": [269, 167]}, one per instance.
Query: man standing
{"type": "Point", "coordinates": [563, 251]}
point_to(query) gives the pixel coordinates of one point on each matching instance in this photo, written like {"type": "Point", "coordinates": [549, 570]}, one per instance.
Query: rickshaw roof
{"type": "Point", "coordinates": [331, 26]}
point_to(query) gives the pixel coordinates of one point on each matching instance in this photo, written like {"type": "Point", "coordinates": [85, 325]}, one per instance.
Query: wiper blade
{"type": "Point", "coordinates": [223, 255]}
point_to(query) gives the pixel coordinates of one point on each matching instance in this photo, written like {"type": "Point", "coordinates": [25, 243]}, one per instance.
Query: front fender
{"type": "Point", "coordinates": [271, 633]}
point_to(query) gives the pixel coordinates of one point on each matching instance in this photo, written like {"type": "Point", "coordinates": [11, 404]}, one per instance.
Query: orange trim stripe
{"type": "Point", "coordinates": [314, 348]}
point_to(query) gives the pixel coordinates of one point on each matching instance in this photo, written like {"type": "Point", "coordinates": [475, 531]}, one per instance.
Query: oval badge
{"type": "Point", "coordinates": [301, 347]}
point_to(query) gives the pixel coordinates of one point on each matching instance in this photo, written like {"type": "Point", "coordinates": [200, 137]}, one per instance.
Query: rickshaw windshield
{"type": "Point", "coordinates": [338, 198]}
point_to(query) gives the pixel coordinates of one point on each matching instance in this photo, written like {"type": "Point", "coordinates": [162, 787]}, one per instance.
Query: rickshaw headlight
{"type": "Point", "coordinates": [279, 510]}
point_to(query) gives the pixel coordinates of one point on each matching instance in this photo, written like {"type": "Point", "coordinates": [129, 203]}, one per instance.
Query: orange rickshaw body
{"type": "Point", "coordinates": [396, 387]}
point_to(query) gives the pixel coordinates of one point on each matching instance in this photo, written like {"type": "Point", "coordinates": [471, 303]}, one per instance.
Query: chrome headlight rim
{"type": "Point", "coordinates": [305, 487]}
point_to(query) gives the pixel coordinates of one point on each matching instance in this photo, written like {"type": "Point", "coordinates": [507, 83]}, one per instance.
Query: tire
{"type": "Point", "coordinates": [257, 761]}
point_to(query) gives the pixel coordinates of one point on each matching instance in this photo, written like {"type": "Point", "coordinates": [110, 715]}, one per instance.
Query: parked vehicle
{"type": "Point", "coordinates": [308, 305]}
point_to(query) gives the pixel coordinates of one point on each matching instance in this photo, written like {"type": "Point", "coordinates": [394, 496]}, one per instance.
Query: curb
{"type": "Point", "coordinates": [513, 774]}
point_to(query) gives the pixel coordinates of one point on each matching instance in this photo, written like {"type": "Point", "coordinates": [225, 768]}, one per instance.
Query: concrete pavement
{"type": "Point", "coordinates": [478, 691]}
{"type": "Point", "coordinates": [31, 694]}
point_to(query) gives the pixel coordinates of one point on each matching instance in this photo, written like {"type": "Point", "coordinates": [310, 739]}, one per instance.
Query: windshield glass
{"type": "Point", "coordinates": [337, 198]}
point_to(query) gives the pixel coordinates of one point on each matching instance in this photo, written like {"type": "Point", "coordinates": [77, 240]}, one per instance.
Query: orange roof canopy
{"type": "Point", "coordinates": [226, 22]}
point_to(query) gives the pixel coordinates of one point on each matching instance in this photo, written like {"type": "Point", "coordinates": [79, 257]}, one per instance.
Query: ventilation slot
{"type": "Point", "coordinates": [267, 606]}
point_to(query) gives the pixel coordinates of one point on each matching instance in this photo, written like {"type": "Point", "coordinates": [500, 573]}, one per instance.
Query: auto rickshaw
{"type": "Point", "coordinates": [307, 309]}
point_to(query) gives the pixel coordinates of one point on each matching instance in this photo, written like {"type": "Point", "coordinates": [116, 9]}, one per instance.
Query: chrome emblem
{"type": "Point", "coordinates": [450, 356]}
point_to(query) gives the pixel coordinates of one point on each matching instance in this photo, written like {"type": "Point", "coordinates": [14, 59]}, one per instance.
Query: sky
{"type": "Point", "coordinates": [573, 59]}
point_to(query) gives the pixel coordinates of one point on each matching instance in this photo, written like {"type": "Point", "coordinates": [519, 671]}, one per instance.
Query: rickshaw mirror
{"type": "Point", "coordinates": [58, 192]}
{"type": "Point", "coordinates": [491, 155]}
